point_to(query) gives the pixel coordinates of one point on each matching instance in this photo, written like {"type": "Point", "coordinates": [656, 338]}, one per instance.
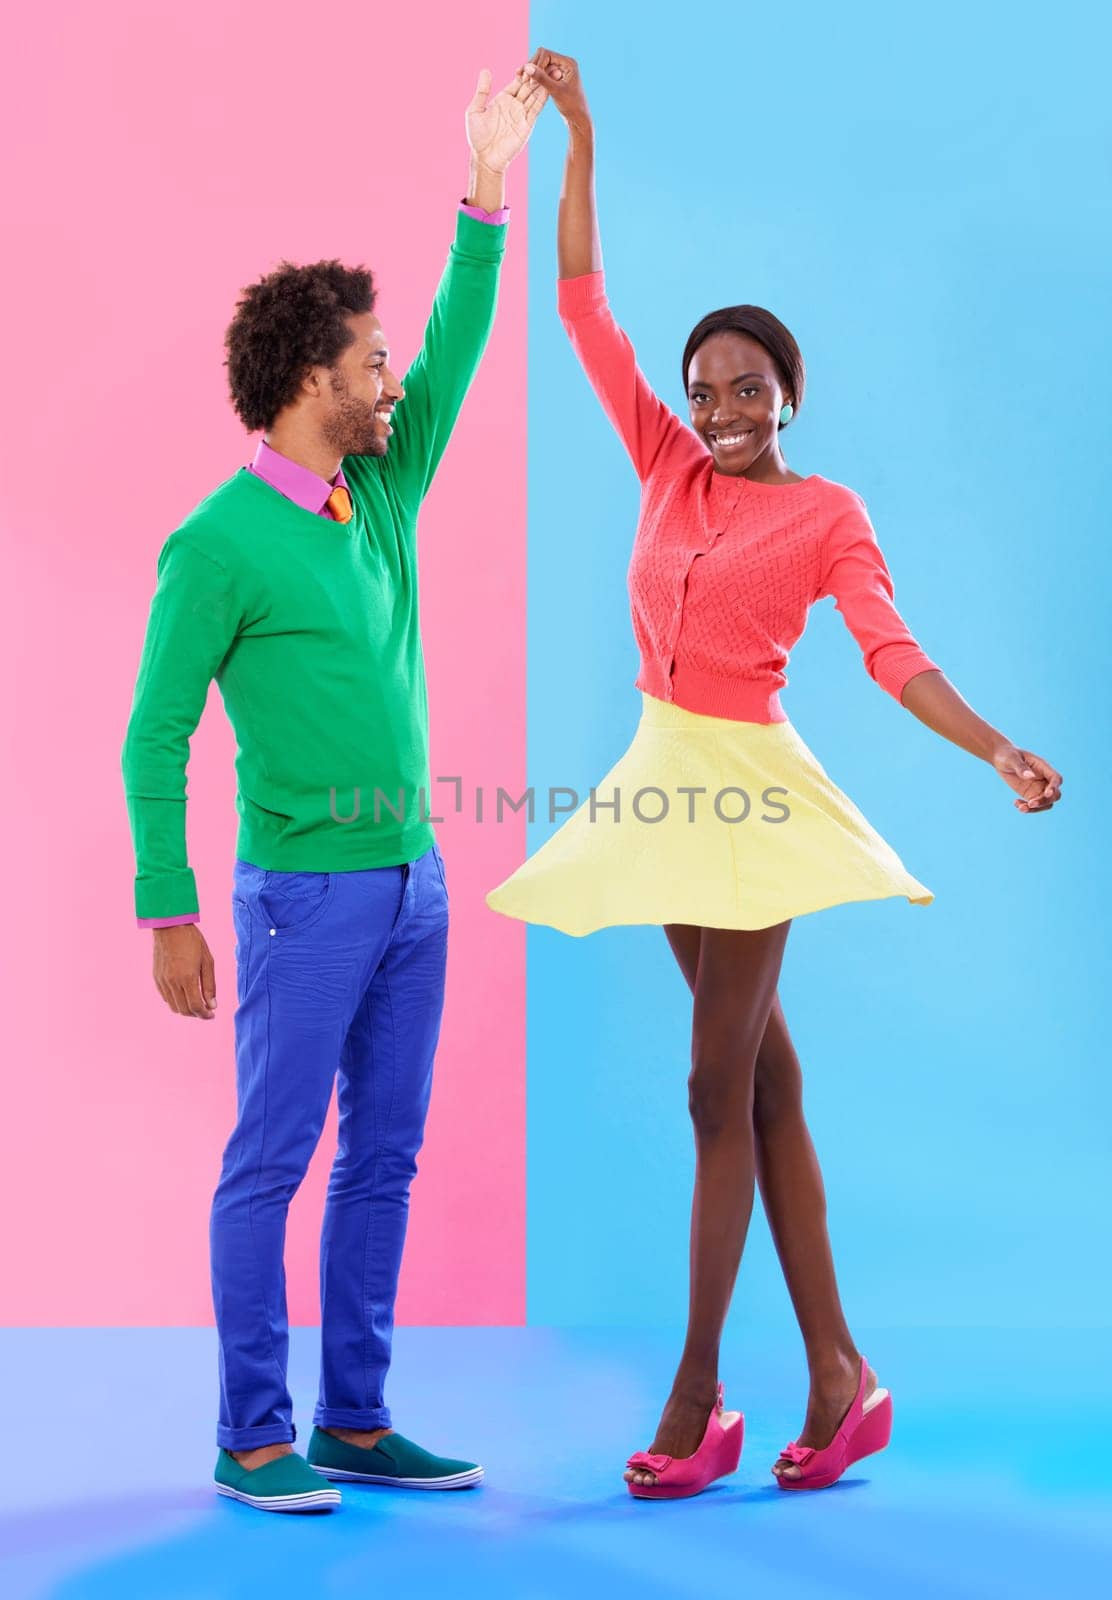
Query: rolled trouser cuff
{"type": "Point", "coordinates": [255, 1438]}
{"type": "Point", "coordinates": [366, 1419]}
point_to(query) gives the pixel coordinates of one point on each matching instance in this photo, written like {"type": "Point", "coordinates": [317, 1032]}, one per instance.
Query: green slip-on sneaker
{"type": "Point", "coordinates": [394, 1460]}
{"type": "Point", "coordinates": [288, 1483]}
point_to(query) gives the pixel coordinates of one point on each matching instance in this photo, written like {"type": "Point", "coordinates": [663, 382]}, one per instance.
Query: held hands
{"type": "Point", "coordinates": [499, 128]}
{"type": "Point", "coordinates": [560, 77]}
{"type": "Point", "coordinates": [1032, 778]}
{"type": "Point", "coordinates": [184, 971]}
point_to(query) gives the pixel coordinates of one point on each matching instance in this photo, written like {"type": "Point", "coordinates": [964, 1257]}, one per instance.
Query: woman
{"type": "Point", "coordinates": [732, 548]}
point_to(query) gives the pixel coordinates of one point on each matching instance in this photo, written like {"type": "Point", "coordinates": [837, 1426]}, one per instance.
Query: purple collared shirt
{"type": "Point", "coordinates": [310, 491]}
{"type": "Point", "coordinates": [300, 484]}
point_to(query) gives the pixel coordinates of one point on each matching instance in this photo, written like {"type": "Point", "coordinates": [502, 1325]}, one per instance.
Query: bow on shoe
{"type": "Point", "coordinates": [797, 1453]}
{"type": "Point", "coordinates": [648, 1461]}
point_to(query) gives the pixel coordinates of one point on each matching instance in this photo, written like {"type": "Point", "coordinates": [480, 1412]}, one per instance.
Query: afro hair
{"type": "Point", "coordinates": [292, 319]}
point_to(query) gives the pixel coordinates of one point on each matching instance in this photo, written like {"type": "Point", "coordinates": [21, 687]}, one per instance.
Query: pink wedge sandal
{"type": "Point", "coordinates": [865, 1428]}
{"type": "Point", "coordinates": [677, 1476]}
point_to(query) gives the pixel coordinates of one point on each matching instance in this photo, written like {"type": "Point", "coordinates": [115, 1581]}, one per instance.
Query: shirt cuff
{"type": "Point", "coordinates": [167, 922]}
{"type": "Point", "coordinates": [497, 217]}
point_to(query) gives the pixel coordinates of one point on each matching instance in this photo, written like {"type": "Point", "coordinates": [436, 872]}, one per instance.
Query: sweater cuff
{"type": "Point", "coordinates": [166, 896]}
{"type": "Point", "coordinates": [475, 238]}
{"type": "Point", "coordinates": [900, 667]}
{"type": "Point", "coordinates": [575, 297]}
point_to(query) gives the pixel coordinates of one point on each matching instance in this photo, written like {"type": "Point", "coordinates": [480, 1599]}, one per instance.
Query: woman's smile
{"type": "Point", "coordinates": [731, 440]}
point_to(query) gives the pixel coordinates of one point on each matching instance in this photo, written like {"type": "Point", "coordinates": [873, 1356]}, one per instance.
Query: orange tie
{"type": "Point", "coordinates": [339, 503]}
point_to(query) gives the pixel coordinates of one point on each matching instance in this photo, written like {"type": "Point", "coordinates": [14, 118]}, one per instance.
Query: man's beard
{"type": "Point", "coordinates": [350, 430]}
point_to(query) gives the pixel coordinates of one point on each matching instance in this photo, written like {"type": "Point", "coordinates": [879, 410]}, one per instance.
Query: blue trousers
{"type": "Point", "coordinates": [337, 974]}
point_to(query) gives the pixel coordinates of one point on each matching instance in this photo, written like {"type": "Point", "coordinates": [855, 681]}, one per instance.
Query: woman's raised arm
{"type": "Point", "coordinates": [579, 250]}
{"type": "Point", "coordinates": [650, 431]}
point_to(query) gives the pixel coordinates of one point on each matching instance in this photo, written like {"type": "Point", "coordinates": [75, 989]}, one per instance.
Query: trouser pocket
{"type": "Point", "coordinates": [292, 900]}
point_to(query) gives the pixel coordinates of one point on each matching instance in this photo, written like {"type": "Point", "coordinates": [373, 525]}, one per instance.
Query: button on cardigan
{"type": "Point", "coordinates": [724, 570]}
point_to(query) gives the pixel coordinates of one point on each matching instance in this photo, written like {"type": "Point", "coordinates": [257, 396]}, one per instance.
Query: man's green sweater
{"type": "Point", "coordinates": [310, 628]}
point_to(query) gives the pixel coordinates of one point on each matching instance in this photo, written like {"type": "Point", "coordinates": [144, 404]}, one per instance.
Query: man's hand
{"type": "Point", "coordinates": [184, 973]}
{"type": "Point", "coordinates": [498, 129]}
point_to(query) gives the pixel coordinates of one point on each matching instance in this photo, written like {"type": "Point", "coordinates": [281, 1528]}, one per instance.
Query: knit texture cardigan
{"type": "Point", "coordinates": [724, 570]}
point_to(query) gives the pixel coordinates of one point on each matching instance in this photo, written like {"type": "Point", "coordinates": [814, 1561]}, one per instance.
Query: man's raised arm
{"type": "Point", "coordinates": [462, 315]}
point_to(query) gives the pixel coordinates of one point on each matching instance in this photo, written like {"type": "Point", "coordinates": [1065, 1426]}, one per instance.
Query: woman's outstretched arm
{"type": "Point", "coordinates": [857, 575]}
{"type": "Point", "coordinates": [932, 698]}
{"type": "Point", "coordinates": [579, 249]}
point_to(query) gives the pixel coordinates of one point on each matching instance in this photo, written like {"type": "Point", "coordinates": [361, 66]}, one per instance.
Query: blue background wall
{"type": "Point", "coordinates": [921, 197]}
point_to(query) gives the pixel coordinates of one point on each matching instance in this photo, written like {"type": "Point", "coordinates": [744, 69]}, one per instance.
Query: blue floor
{"type": "Point", "coordinates": [995, 1484]}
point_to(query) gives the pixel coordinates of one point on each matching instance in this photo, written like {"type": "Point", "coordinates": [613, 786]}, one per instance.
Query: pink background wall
{"type": "Point", "coordinates": [165, 157]}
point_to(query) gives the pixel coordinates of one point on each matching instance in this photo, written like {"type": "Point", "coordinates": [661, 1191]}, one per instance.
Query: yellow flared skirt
{"type": "Point", "coordinates": [710, 822]}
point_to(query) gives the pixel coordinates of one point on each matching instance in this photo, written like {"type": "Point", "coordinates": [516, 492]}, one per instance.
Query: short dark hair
{"type": "Point", "coordinates": [755, 323]}
{"type": "Point", "coordinates": [292, 319]}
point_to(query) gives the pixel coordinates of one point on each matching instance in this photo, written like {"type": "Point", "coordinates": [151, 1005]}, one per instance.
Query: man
{"type": "Point", "coordinates": [294, 584]}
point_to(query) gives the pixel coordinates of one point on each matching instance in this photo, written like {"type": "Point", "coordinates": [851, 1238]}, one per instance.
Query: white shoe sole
{"type": "Point", "coordinates": [455, 1480]}
{"type": "Point", "coordinates": [308, 1500]}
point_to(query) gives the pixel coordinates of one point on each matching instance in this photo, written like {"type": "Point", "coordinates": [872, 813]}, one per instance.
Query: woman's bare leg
{"type": "Point", "coordinates": [735, 982]}
{"type": "Point", "coordinates": [794, 1199]}
{"type": "Point", "coordinates": [795, 1203]}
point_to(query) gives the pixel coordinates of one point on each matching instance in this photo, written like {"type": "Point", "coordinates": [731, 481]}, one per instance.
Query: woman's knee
{"type": "Point", "coordinates": [719, 1090]}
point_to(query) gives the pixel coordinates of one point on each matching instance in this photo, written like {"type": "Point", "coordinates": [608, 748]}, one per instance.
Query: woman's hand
{"type": "Point", "coordinates": [1032, 778]}
{"type": "Point", "coordinates": [930, 696]}
{"type": "Point", "coordinates": [498, 129]}
{"type": "Point", "coordinates": [559, 76]}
